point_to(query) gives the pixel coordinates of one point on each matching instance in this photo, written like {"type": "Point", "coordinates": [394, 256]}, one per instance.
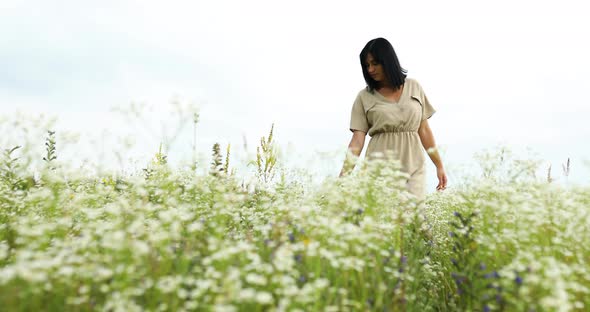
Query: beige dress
{"type": "Point", "coordinates": [394, 126]}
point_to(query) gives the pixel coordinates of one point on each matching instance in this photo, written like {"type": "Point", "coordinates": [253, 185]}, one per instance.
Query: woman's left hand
{"type": "Point", "coordinates": [442, 179]}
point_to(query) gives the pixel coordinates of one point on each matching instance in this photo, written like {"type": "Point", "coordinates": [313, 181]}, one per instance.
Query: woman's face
{"type": "Point", "coordinates": [374, 69]}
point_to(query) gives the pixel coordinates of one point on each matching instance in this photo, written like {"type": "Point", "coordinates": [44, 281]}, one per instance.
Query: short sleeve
{"type": "Point", "coordinates": [358, 118]}
{"type": "Point", "coordinates": [427, 109]}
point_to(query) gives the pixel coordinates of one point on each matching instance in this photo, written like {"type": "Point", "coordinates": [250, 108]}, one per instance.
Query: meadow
{"type": "Point", "coordinates": [171, 239]}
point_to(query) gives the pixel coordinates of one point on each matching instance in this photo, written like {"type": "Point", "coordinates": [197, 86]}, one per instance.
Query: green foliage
{"type": "Point", "coordinates": [216, 163]}
{"type": "Point", "coordinates": [158, 165]}
{"type": "Point", "coordinates": [8, 168]}
{"type": "Point", "coordinates": [160, 159]}
{"type": "Point", "coordinates": [50, 148]}
{"type": "Point", "coordinates": [226, 163]}
{"type": "Point", "coordinates": [174, 240]}
{"type": "Point", "coordinates": [266, 158]}
{"type": "Point", "coordinates": [218, 166]}
{"type": "Point", "coordinates": [11, 172]}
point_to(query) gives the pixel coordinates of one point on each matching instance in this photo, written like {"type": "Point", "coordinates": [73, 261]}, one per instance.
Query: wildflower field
{"type": "Point", "coordinates": [169, 239]}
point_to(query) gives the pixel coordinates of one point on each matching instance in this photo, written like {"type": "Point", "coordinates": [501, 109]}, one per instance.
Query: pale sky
{"type": "Point", "coordinates": [499, 72]}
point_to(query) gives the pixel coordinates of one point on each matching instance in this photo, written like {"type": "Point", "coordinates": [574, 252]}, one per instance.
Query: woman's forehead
{"type": "Point", "coordinates": [370, 58]}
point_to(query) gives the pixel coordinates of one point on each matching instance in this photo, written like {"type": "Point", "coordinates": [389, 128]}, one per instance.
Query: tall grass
{"type": "Point", "coordinates": [168, 239]}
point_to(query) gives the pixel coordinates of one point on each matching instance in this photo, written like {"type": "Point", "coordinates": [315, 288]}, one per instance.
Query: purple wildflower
{"type": "Point", "coordinates": [302, 279]}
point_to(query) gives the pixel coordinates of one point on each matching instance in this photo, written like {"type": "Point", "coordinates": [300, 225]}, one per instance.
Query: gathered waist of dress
{"type": "Point", "coordinates": [394, 131]}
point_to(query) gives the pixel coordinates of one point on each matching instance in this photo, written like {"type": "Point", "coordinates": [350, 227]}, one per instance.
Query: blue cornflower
{"type": "Point", "coordinates": [302, 279]}
{"type": "Point", "coordinates": [518, 280]}
{"type": "Point", "coordinates": [291, 237]}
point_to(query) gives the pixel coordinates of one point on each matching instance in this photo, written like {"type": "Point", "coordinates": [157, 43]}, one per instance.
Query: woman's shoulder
{"type": "Point", "coordinates": [413, 82]}
{"type": "Point", "coordinates": [364, 92]}
{"type": "Point", "coordinates": [366, 99]}
{"type": "Point", "coordinates": [413, 85]}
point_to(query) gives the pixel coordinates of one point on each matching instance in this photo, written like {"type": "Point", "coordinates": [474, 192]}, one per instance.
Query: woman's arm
{"type": "Point", "coordinates": [355, 147]}
{"type": "Point", "coordinates": [427, 139]}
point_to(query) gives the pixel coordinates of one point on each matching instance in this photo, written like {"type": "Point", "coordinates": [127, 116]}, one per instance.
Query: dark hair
{"type": "Point", "coordinates": [383, 53]}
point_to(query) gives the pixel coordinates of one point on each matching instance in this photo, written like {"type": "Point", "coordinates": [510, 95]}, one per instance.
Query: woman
{"type": "Point", "coordinates": [394, 111]}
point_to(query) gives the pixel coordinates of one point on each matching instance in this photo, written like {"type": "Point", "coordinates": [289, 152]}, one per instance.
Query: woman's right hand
{"type": "Point", "coordinates": [442, 179]}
